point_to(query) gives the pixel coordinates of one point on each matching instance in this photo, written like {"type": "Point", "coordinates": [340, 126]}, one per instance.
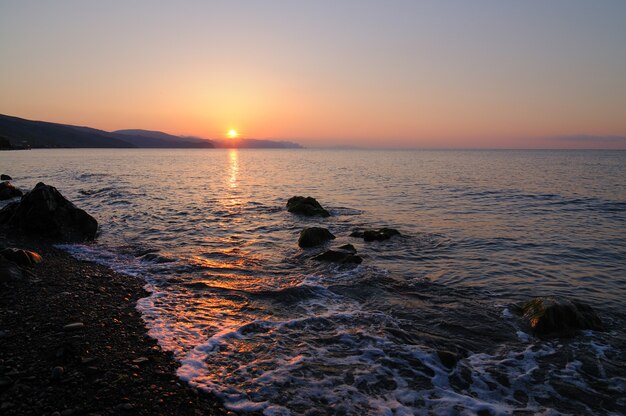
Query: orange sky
{"type": "Point", "coordinates": [411, 74]}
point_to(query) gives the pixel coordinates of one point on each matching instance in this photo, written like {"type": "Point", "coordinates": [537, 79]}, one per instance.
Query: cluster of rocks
{"type": "Point", "coordinates": [546, 317]}
{"type": "Point", "coordinates": [45, 212]}
{"type": "Point", "coordinates": [316, 236]}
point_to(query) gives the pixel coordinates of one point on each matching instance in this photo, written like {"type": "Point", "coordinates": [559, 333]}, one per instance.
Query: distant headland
{"type": "Point", "coordinates": [18, 133]}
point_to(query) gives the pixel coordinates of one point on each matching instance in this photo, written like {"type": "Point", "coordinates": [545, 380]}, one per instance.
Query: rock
{"type": "Point", "coordinates": [140, 360]}
{"type": "Point", "coordinates": [448, 359]}
{"type": "Point", "coordinates": [75, 326]}
{"type": "Point", "coordinates": [57, 373]}
{"type": "Point", "coordinates": [21, 257]}
{"type": "Point", "coordinates": [9, 270]}
{"type": "Point", "coordinates": [7, 212]}
{"type": "Point", "coordinates": [347, 247]}
{"type": "Point", "coordinates": [44, 211]}
{"type": "Point", "coordinates": [559, 317]}
{"type": "Point", "coordinates": [314, 236]}
{"type": "Point", "coordinates": [342, 257]}
{"type": "Point", "coordinates": [4, 177]}
{"type": "Point", "coordinates": [375, 234]}
{"type": "Point", "coordinates": [8, 191]}
{"type": "Point", "coordinates": [306, 206]}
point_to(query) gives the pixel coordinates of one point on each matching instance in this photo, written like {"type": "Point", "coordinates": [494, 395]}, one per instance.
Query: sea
{"type": "Point", "coordinates": [251, 317]}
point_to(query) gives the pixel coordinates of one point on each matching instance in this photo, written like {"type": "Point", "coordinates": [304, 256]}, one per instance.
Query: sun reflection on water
{"type": "Point", "coordinates": [233, 157]}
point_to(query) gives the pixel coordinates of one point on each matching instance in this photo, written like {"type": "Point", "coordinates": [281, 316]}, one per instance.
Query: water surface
{"type": "Point", "coordinates": [250, 316]}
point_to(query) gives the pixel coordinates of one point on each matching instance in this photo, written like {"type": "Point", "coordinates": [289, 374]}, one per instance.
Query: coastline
{"type": "Point", "coordinates": [109, 366]}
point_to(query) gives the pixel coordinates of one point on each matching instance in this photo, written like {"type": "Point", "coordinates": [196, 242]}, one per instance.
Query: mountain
{"type": "Point", "coordinates": [27, 133]}
{"type": "Point", "coordinates": [149, 138]}
{"type": "Point", "coordinates": [22, 133]}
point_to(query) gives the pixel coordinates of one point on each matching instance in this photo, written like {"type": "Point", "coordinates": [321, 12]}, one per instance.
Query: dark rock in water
{"type": "Point", "coordinates": [4, 177]}
{"type": "Point", "coordinates": [375, 234]}
{"type": "Point", "coordinates": [314, 236]}
{"type": "Point", "coordinates": [8, 191]}
{"type": "Point", "coordinates": [347, 247]}
{"type": "Point", "coordinates": [342, 257]}
{"type": "Point", "coordinates": [306, 206]}
{"type": "Point", "coordinates": [448, 359]}
{"type": "Point", "coordinates": [44, 211]}
{"type": "Point", "coordinates": [559, 317]}
{"type": "Point", "coordinates": [21, 257]}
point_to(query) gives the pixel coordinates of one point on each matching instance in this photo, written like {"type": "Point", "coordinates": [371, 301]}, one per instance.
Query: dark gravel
{"type": "Point", "coordinates": [107, 365]}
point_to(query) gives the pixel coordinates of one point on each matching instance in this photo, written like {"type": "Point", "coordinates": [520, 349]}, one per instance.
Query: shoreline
{"type": "Point", "coordinates": [110, 365]}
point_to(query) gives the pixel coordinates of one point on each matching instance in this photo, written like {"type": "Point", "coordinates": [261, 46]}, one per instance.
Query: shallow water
{"type": "Point", "coordinates": [250, 316]}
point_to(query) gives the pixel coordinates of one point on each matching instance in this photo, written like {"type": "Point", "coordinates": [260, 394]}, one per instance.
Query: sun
{"type": "Point", "coordinates": [232, 134]}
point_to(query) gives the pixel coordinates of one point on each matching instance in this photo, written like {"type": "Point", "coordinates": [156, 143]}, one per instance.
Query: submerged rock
{"type": "Point", "coordinates": [375, 234]}
{"type": "Point", "coordinates": [314, 236]}
{"type": "Point", "coordinates": [8, 191]}
{"type": "Point", "coordinates": [4, 177]}
{"type": "Point", "coordinates": [306, 206]}
{"type": "Point", "coordinates": [347, 247]}
{"type": "Point", "coordinates": [44, 211]}
{"type": "Point", "coordinates": [21, 257]}
{"type": "Point", "coordinates": [559, 317]}
{"type": "Point", "coordinates": [342, 257]}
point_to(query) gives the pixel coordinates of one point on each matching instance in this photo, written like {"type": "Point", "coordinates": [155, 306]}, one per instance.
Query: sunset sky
{"type": "Point", "coordinates": [374, 73]}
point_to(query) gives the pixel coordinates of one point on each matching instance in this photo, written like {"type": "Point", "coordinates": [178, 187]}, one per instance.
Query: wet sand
{"type": "Point", "coordinates": [106, 366]}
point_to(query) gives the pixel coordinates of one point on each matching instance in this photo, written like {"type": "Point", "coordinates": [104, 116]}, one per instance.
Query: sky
{"type": "Point", "coordinates": [406, 73]}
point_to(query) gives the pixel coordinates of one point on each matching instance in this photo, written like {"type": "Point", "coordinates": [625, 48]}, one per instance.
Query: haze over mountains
{"type": "Point", "coordinates": [22, 133]}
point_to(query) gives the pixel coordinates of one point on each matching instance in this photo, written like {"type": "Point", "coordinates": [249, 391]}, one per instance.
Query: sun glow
{"type": "Point", "coordinates": [232, 134]}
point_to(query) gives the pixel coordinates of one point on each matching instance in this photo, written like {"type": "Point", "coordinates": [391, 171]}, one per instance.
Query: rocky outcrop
{"type": "Point", "coordinates": [314, 236]}
{"type": "Point", "coordinates": [306, 206]}
{"type": "Point", "coordinates": [8, 191]}
{"type": "Point", "coordinates": [45, 212]}
{"type": "Point", "coordinates": [375, 234]}
{"type": "Point", "coordinates": [4, 177]}
{"type": "Point", "coordinates": [550, 317]}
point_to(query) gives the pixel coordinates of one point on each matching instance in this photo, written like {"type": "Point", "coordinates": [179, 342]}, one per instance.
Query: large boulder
{"type": "Point", "coordinates": [375, 234]}
{"type": "Point", "coordinates": [559, 317]}
{"type": "Point", "coordinates": [4, 177]}
{"type": "Point", "coordinates": [45, 212]}
{"type": "Point", "coordinates": [8, 191]}
{"type": "Point", "coordinates": [306, 206]}
{"type": "Point", "coordinates": [314, 236]}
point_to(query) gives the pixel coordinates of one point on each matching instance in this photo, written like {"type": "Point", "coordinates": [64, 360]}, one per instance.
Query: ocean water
{"type": "Point", "coordinates": [250, 316]}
